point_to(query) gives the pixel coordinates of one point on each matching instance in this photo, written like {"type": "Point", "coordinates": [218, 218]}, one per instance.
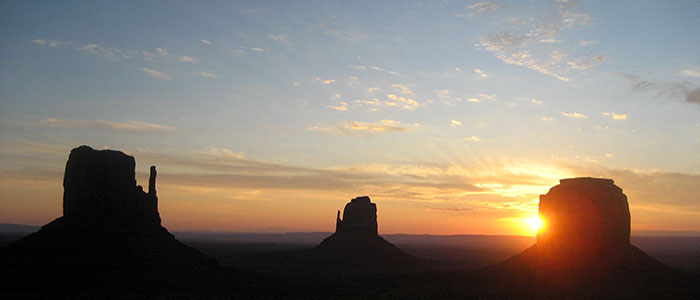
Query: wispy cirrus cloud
{"type": "Point", "coordinates": [343, 106]}
{"type": "Point", "coordinates": [358, 128]}
{"type": "Point", "coordinates": [209, 75]}
{"type": "Point", "coordinates": [113, 53]}
{"type": "Point", "coordinates": [574, 115]}
{"type": "Point", "coordinates": [684, 90]}
{"type": "Point", "coordinates": [615, 116]}
{"type": "Point", "coordinates": [538, 45]}
{"type": "Point", "coordinates": [156, 73]}
{"type": "Point", "coordinates": [126, 126]}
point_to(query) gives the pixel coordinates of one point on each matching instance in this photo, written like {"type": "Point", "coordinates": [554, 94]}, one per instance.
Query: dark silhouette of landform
{"type": "Point", "coordinates": [584, 251]}
{"type": "Point", "coordinates": [109, 239]}
{"type": "Point", "coordinates": [356, 240]}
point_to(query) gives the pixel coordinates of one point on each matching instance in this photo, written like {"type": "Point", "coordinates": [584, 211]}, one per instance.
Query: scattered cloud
{"type": "Point", "coordinates": [536, 101]}
{"type": "Point", "coordinates": [615, 116]}
{"type": "Point", "coordinates": [126, 126]}
{"type": "Point", "coordinates": [209, 75]}
{"type": "Point", "coordinates": [682, 90]}
{"type": "Point", "coordinates": [539, 46]}
{"type": "Point", "coordinates": [574, 115]}
{"type": "Point", "coordinates": [156, 73]}
{"type": "Point", "coordinates": [473, 138]}
{"type": "Point", "coordinates": [483, 7]}
{"type": "Point", "coordinates": [357, 127]}
{"type": "Point", "coordinates": [474, 100]}
{"type": "Point", "coordinates": [354, 78]}
{"type": "Point", "coordinates": [372, 89]}
{"type": "Point", "coordinates": [375, 68]}
{"type": "Point", "coordinates": [343, 106]}
{"type": "Point", "coordinates": [455, 123]}
{"type": "Point", "coordinates": [402, 88]}
{"type": "Point", "coordinates": [278, 37]}
{"type": "Point", "coordinates": [408, 103]}
{"type": "Point", "coordinates": [481, 73]}
{"type": "Point", "coordinates": [207, 42]}
{"type": "Point", "coordinates": [546, 119]}
{"type": "Point", "coordinates": [296, 83]}
{"type": "Point", "coordinates": [188, 59]}
{"type": "Point", "coordinates": [587, 43]}
{"type": "Point", "coordinates": [52, 43]}
{"type": "Point", "coordinates": [690, 73]}
{"type": "Point", "coordinates": [585, 64]}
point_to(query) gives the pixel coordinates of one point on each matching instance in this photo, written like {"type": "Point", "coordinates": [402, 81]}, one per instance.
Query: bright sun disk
{"type": "Point", "coordinates": [534, 222]}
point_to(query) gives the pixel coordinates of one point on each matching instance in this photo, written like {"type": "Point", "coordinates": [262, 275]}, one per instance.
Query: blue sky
{"type": "Point", "coordinates": [453, 109]}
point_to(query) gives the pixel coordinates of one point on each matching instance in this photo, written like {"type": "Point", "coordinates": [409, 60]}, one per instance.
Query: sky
{"type": "Point", "coordinates": [268, 116]}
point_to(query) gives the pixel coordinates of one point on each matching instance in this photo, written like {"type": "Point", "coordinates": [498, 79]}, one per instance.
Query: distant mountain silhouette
{"type": "Point", "coordinates": [109, 238]}
{"type": "Point", "coordinates": [583, 251]}
{"type": "Point", "coordinates": [356, 240]}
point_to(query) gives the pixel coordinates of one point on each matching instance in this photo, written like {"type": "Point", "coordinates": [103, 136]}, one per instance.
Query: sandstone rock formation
{"type": "Point", "coordinates": [356, 240]}
{"type": "Point", "coordinates": [583, 250]}
{"type": "Point", "coordinates": [109, 238]}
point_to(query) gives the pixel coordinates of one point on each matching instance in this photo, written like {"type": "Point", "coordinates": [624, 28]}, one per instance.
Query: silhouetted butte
{"type": "Point", "coordinates": [109, 239]}
{"type": "Point", "coordinates": [356, 240]}
{"type": "Point", "coordinates": [583, 251]}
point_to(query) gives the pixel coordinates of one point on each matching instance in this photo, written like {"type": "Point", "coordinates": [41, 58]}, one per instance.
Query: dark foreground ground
{"type": "Point", "coordinates": [273, 266]}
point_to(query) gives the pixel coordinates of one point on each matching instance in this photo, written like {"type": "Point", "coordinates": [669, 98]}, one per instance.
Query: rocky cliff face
{"type": "Point", "coordinates": [359, 217]}
{"type": "Point", "coordinates": [100, 186]}
{"type": "Point", "coordinates": [109, 239]}
{"type": "Point", "coordinates": [586, 219]}
{"type": "Point", "coordinates": [583, 250]}
{"type": "Point", "coordinates": [356, 240]}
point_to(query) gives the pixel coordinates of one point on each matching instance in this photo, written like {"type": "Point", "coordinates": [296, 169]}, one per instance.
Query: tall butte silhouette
{"type": "Point", "coordinates": [583, 251]}
{"type": "Point", "coordinates": [356, 240]}
{"type": "Point", "coordinates": [109, 239]}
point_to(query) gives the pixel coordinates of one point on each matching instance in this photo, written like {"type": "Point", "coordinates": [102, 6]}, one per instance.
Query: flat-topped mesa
{"type": "Point", "coordinates": [585, 219]}
{"type": "Point", "coordinates": [359, 217]}
{"type": "Point", "coordinates": [100, 185]}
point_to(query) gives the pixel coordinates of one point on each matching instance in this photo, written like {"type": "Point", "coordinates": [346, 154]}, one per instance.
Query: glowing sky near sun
{"type": "Point", "coordinates": [453, 116]}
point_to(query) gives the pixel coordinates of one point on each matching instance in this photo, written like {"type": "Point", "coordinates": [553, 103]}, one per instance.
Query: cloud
{"type": "Point", "coordinates": [546, 119]}
{"type": "Point", "coordinates": [473, 138]}
{"type": "Point", "coordinates": [372, 89]}
{"type": "Point", "coordinates": [574, 115]}
{"type": "Point", "coordinates": [587, 43]}
{"type": "Point", "coordinates": [126, 126]}
{"type": "Point", "coordinates": [483, 7]}
{"type": "Point", "coordinates": [278, 37]}
{"type": "Point", "coordinates": [402, 88]}
{"type": "Point", "coordinates": [585, 64]}
{"type": "Point", "coordinates": [474, 100]}
{"type": "Point", "coordinates": [354, 78]}
{"type": "Point", "coordinates": [408, 103]}
{"type": "Point", "coordinates": [693, 96]}
{"type": "Point", "coordinates": [52, 43]}
{"type": "Point", "coordinates": [455, 123]}
{"type": "Point", "coordinates": [682, 90]}
{"type": "Point", "coordinates": [537, 46]}
{"type": "Point", "coordinates": [357, 127]}
{"type": "Point", "coordinates": [690, 73]}
{"type": "Point", "coordinates": [206, 42]}
{"type": "Point", "coordinates": [536, 101]}
{"type": "Point", "coordinates": [156, 73]}
{"type": "Point", "coordinates": [615, 116]}
{"type": "Point", "coordinates": [481, 73]}
{"type": "Point", "coordinates": [209, 75]}
{"type": "Point", "coordinates": [375, 68]}
{"type": "Point", "coordinates": [188, 59]}
{"type": "Point", "coordinates": [342, 106]}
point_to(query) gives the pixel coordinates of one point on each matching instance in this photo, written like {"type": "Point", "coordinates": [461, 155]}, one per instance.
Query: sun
{"type": "Point", "coordinates": [535, 223]}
